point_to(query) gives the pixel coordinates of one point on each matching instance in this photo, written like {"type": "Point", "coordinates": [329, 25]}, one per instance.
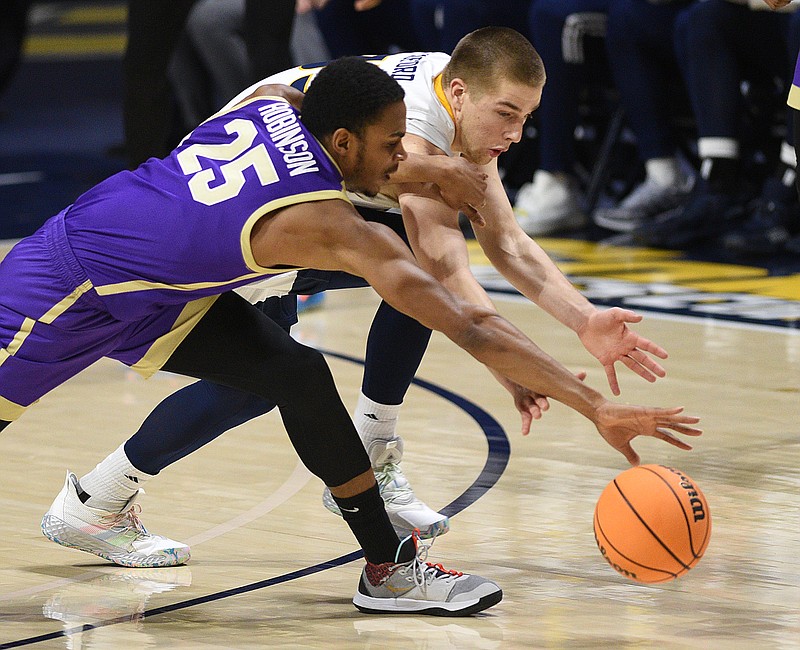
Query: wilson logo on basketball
{"type": "Point", "coordinates": [694, 496]}
{"type": "Point", "coordinates": [652, 523]}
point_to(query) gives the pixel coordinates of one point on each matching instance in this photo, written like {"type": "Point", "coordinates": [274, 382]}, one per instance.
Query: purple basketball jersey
{"type": "Point", "coordinates": [129, 269]}
{"type": "Point", "coordinates": [179, 228]}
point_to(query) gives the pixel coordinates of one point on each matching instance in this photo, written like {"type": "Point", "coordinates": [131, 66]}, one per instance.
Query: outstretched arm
{"type": "Point", "coordinates": [604, 333]}
{"type": "Point", "coordinates": [331, 235]}
{"type": "Point", "coordinates": [439, 246]}
{"type": "Point", "coordinates": [440, 249]}
{"type": "Point", "coordinates": [531, 406]}
{"type": "Point", "coordinates": [495, 342]}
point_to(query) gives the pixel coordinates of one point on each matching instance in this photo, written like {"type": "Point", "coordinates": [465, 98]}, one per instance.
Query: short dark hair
{"type": "Point", "coordinates": [348, 93]}
{"type": "Point", "coordinates": [488, 55]}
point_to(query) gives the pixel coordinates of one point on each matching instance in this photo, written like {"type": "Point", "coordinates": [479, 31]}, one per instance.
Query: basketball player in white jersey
{"type": "Point", "coordinates": [474, 105]}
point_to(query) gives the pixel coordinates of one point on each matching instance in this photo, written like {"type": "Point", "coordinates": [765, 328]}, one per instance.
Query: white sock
{"type": "Point", "coordinates": [113, 482]}
{"type": "Point", "coordinates": [663, 171]}
{"type": "Point", "coordinates": [717, 148]}
{"type": "Point", "coordinates": [377, 425]}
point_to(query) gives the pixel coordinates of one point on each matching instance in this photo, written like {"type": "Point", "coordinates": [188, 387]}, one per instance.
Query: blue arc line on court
{"type": "Point", "coordinates": [499, 448]}
{"type": "Point", "coordinates": [496, 462]}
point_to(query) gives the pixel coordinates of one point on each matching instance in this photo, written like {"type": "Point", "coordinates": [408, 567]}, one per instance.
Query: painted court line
{"type": "Point", "coordinates": [498, 453]}
{"type": "Point", "coordinates": [296, 482]}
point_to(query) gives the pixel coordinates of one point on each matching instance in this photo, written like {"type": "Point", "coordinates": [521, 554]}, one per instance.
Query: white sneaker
{"type": "Point", "coordinates": [421, 587]}
{"type": "Point", "coordinates": [116, 536]}
{"type": "Point", "coordinates": [646, 201]}
{"type": "Point", "coordinates": [406, 512]}
{"type": "Point", "coordinates": [550, 204]}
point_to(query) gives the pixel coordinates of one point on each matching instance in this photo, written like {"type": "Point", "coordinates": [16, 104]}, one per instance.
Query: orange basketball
{"type": "Point", "coordinates": [652, 523]}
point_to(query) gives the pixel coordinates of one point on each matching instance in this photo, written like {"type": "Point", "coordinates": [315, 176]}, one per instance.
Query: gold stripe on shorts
{"type": "Point", "coordinates": [10, 411]}
{"type": "Point", "coordinates": [59, 308]}
{"type": "Point", "coordinates": [54, 312]}
{"type": "Point", "coordinates": [17, 341]}
{"type": "Point", "coordinates": [164, 346]}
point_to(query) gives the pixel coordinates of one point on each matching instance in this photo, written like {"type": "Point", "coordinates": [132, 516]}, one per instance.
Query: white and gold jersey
{"type": "Point", "coordinates": [427, 111]}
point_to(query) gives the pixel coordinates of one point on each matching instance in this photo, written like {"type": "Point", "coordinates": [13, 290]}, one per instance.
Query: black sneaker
{"type": "Point", "coordinates": [793, 245]}
{"type": "Point", "coordinates": [705, 215]}
{"type": "Point", "coordinates": [646, 201]}
{"type": "Point", "coordinates": [766, 229]}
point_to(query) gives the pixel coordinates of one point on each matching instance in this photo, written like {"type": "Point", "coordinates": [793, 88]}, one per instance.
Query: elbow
{"type": "Point", "coordinates": [477, 330]}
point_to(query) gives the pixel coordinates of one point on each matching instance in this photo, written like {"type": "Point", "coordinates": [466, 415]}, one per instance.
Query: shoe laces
{"type": "Point", "coordinates": [128, 518]}
{"type": "Point", "coordinates": [423, 572]}
{"type": "Point", "coordinates": [643, 194]}
{"type": "Point", "coordinates": [393, 483]}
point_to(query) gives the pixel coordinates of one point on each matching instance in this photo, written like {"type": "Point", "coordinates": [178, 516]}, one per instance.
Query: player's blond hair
{"type": "Point", "coordinates": [493, 54]}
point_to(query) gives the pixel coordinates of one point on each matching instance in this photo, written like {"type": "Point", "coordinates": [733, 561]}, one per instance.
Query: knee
{"type": "Point", "coordinates": [304, 366]}
{"type": "Point", "coordinates": [232, 400]}
{"type": "Point", "coordinates": [281, 310]}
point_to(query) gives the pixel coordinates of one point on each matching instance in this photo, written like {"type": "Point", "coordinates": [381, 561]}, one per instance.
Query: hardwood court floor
{"type": "Point", "coordinates": [270, 565]}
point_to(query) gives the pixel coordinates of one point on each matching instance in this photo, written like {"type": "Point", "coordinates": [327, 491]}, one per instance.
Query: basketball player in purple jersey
{"type": "Point", "coordinates": [462, 112]}
{"type": "Point", "coordinates": [139, 269]}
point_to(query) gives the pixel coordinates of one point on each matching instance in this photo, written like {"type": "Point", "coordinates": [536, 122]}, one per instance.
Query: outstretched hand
{"type": "Point", "coordinates": [531, 406]}
{"type": "Point", "coordinates": [620, 423]}
{"type": "Point", "coordinates": [607, 336]}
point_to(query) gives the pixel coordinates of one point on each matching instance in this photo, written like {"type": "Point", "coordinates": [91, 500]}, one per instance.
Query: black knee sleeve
{"type": "Point", "coordinates": [318, 424]}
{"type": "Point", "coordinates": [236, 345]}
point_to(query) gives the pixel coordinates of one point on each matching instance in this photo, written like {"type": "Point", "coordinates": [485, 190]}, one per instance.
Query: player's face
{"type": "Point", "coordinates": [489, 123]}
{"type": "Point", "coordinates": [379, 150]}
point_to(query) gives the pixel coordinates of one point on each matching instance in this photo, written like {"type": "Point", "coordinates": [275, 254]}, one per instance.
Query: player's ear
{"type": "Point", "coordinates": [457, 91]}
{"type": "Point", "coordinates": [341, 141]}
